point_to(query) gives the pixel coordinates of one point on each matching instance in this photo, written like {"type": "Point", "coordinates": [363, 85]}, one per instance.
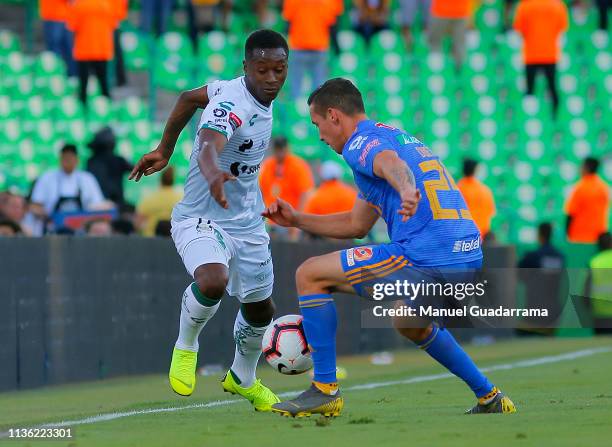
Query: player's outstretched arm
{"type": "Point", "coordinates": [184, 109]}
{"type": "Point", "coordinates": [389, 166]}
{"type": "Point", "coordinates": [211, 145]}
{"type": "Point", "coordinates": [354, 224]}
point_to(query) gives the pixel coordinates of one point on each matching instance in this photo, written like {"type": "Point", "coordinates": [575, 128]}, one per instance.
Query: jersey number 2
{"type": "Point", "coordinates": [444, 183]}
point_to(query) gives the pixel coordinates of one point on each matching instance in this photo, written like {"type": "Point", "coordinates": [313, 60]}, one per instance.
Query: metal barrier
{"type": "Point", "coordinates": [77, 309]}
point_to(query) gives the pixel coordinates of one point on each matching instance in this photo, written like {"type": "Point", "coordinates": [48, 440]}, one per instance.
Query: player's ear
{"type": "Point", "coordinates": [244, 66]}
{"type": "Point", "coordinates": [333, 115]}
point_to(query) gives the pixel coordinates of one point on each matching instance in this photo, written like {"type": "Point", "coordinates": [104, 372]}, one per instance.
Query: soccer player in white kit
{"type": "Point", "coordinates": [217, 228]}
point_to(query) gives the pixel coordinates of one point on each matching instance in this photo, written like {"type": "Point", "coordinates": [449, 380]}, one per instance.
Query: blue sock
{"type": "Point", "coordinates": [319, 312]}
{"type": "Point", "coordinates": [443, 347]}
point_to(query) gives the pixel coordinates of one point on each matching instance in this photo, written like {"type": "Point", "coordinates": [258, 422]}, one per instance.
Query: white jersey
{"type": "Point", "coordinates": [247, 124]}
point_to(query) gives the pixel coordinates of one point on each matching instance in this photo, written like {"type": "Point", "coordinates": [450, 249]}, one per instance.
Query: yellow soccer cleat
{"type": "Point", "coordinates": [500, 404]}
{"type": "Point", "coordinates": [183, 371]}
{"type": "Point", "coordinates": [312, 401]}
{"type": "Point", "coordinates": [258, 394]}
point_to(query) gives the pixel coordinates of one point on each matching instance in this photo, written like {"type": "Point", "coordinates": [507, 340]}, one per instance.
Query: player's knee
{"type": "Point", "coordinates": [259, 314]}
{"type": "Point", "coordinates": [415, 334]}
{"type": "Point", "coordinates": [306, 273]}
{"type": "Point", "coordinates": [211, 283]}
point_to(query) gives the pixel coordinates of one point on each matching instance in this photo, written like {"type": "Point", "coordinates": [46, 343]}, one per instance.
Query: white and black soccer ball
{"type": "Point", "coordinates": [285, 347]}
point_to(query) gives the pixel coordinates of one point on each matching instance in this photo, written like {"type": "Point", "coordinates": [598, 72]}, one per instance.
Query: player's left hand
{"type": "Point", "coordinates": [410, 202]}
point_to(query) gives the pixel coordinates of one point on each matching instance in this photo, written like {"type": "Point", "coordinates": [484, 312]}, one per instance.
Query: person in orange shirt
{"type": "Point", "coordinates": [285, 175]}
{"type": "Point", "coordinates": [541, 23]}
{"type": "Point", "coordinates": [310, 22]}
{"type": "Point", "coordinates": [449, 18]}
{"type": "Point", "coordinates": [93, 23]}
{"type": "Point", "coordinates": [478, 197]}
{"type": "Point", "coordinates": [57, 37]}
{"type": "Point", "coordinates": [332, 195]}
{"type": "Point", "coordinates": [588, 206]}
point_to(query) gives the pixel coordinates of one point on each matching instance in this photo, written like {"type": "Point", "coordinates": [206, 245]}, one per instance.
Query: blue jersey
{"type": "Point", "coordinates": [442, 231]}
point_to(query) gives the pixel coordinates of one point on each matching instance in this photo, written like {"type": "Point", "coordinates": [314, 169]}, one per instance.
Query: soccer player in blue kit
{"type": "Point", "coordinates": [430, 229]}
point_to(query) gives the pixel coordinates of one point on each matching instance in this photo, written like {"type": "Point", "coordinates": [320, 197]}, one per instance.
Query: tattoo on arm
{"type": "Point", "coordinates": [400, 175]}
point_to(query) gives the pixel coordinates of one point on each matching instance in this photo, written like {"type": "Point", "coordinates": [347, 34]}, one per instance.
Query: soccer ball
{"type": "Point", "coordinates": [285, 347]}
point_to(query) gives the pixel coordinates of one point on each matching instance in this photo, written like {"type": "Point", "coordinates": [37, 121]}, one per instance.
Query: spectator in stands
{"type": "Point", "coordinates": [371, 16]}
{"type": "Point", "coordinates": [408, 13]}
{"type": "Point", "coordinates": [98, 228]}
{"type": "Point", "coordinates": [310, 22]}
{"type": "Point", "coordinates": [158, 205]}
{"type": "Point", "coordinates": [285, 175]}
{"type": "Point", "coordinates": [57, 37]}
{"type": "Point", "coordinates": [205, 16]}
{"type": "Point", "coordinates": [8, 228]}
{"type": "Point", "coordinates": [93, 23]}
{"type": "Point", "coordinates": [542, 272]}
{"type": "Point", "coordinates": [588, 206]}
{"type": "Point", "coordinates": [332, 195]}
{"type": "Point", "coordinates": [14, 207]}
{"type": "Point", "coordinates": [603, 7]}
{"type": "Point", "coordinates": [121, 10]}
{"type": "Point", "coordinates": [67, 188]}
{"type": "Point", "coordinates": [478, 197]}
{"type": "Point", "coordinates": [541, 23]}
{"type": "Point", "coordinates": [449, 18]}
{"type": "Point", "coordinates": [507, 18]}
{"type": "Point", "coordinates": [599, 285]}
{"type": "Point", "coordinates": [154, 15]}
{"type": "Point", "coordinates": [108, 168]}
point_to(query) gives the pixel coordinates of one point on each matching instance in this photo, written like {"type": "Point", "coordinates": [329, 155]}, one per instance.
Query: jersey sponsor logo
{"type": "Point", "coordinates": [404, 138]}
{"type": "Point", "coordinates": [248, 144]}
{"type": "Point", "coordinates": [238, 168]}
{"type": "Point", "coordinates": [252, 120]}
{"type": "Point", "coordinates": [215, 126]}
{"type": "Point", "coordinates": [363, 253]}
{"type": "Point", "coordinates": [234, 121]}
{"type": "Point", "coordinates": [463, 246]}
{"type": "Point", "coordinates": [350, 257]}
{"type": "Point", "coordinates": [227, 105]}
{"type": "Point", "coordinates": [366, 150]}
{"type": "Point", "coordinates": [220, 113]}
{"type": "Point", "coordinates": [424, 151]}
{"type": "Point", "coordinates": [385, 126]}
{"type": "Point", "coordinates": [357, 142]}
{"type": "Point", "coordinates": [220, 238]}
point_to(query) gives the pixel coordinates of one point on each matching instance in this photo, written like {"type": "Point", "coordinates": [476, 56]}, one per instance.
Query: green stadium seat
{"type": "Point", "coordinates": [351, 41]}
{"type": "Point", "coordinates": [47, 64]}
{"type": "Point", "coordinates": [9, 42]}
{"type": "Point", "coordinates": [136, 50]}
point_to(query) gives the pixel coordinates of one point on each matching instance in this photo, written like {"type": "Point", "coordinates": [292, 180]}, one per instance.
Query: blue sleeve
{"type": "Point", "coordinates": [362, 160]}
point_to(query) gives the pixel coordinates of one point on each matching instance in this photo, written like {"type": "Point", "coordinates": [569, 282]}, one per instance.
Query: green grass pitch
{"type": "Point", "coordinates": [563, 403]}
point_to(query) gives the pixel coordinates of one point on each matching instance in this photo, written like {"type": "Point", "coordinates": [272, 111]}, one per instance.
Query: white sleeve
{"type": "Point", "coordinates": [225, 111]}
{"type": "Point", "coordinates": [92, 194]}
{"type": "Point", "coordinates": [40, 188]}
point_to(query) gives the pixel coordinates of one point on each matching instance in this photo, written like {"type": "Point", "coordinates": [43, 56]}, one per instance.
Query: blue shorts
{"type": "Point", "coordinates": [367, 266]}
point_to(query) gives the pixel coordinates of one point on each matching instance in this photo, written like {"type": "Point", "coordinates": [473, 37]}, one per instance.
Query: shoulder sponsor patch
{"type": "Point", "coordinates": [404, 138]}
{"type": "Point", "coordinates": [366, 150]}
{"type": "Point", "coordinates": [350, 257]}
{"type": "Point", "coordinates": [363, 253]}
{"type": "Point", "coordinates": [234, 121]}
{"type": "Point", "coordinates": [219, 113]}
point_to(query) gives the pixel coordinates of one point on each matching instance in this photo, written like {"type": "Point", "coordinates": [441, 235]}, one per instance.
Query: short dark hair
{"type": "Point", "coordinates": [604, 241]}
{"type": "Point", "coordinates": [262, 39]}
{"type": "Point", "coordinates": [545, 231]}
{"type": "Point", "coordinates": [591, 165]}
{"type": "Point", "coordinates": [279, 142]}
{"type": "Point", "coordinates": [69, 148]}
{"type": "Point", "coordinates": [337, 93]}
{"type": "Point", "coordinates": [469, 167]}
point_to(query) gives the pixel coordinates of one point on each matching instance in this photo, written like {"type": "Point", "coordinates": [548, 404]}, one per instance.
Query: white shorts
{"type": "Point", "coordinates": [200, 241]}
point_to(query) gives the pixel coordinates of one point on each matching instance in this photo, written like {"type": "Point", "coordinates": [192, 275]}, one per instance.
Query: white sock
{"type": "Point", "coordinates": [194, 317]}
{"type": "Point", "coordinates": [248, 349]}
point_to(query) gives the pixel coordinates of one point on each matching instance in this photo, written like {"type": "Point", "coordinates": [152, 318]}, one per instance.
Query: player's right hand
{"type": "Point", "coordinates": [281, 212]}
{"type": "Point", "coordinates": [149, 164]}
{"type": "Point", "coordinates": [216, 187]}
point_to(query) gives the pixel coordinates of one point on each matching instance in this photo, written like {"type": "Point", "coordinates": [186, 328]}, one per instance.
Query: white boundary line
{"type": "Point", "coordinates": [366, 386]}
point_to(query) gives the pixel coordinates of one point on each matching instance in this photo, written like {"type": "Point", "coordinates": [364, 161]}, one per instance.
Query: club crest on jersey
{"type": "Point", "coordinates": [234, 121]}
{"type": "Point", "coordinates": [363, 253]}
